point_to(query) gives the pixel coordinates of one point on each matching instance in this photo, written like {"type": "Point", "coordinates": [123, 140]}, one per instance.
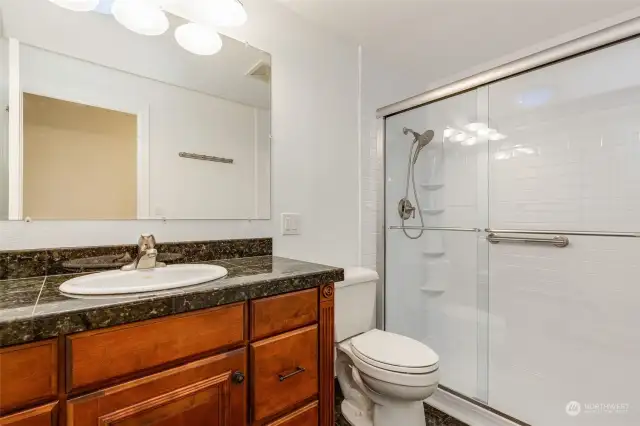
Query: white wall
{"type": "Point", "coordinates": [314, 153]}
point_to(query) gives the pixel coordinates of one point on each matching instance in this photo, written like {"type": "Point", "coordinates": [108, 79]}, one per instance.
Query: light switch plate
{"type": "Point", "coordinates": [290, 224]}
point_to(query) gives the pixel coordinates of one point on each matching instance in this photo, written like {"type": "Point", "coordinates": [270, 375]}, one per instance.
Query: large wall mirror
{"type": "Point", "coordinates": [102, 123]}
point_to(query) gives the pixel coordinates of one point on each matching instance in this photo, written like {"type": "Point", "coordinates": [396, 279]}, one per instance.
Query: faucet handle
{"type": "Point", "coordinates": [147, 240]}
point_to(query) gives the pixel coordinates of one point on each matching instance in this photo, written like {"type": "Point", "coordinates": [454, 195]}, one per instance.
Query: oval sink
{"type": "Point", "coordinates": [143, 280]}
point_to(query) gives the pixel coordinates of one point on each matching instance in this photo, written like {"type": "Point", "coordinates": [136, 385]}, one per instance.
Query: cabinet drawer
{"type": "Point", "coordinates": [39, 416]}
{"type": "Point", "coordinates": [98, 356]}
{"type": "Point", "coordinates": [29, 374]}
{"type": "Point", "coordinates": [200, 393]}
{"type": "Point", "coordinates": [284, 371]}
{"type": "Point", "coordinates": [305, 416]}
{"type": "Point", "coordinates": [282, 313]}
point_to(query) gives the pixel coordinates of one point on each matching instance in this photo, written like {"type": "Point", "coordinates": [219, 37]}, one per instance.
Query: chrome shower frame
{"type": "Point", "coordinates": [600, 39]}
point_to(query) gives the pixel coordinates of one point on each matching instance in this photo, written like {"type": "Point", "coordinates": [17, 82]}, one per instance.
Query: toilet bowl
{"type": "Point", "coordinates": [384, 376]}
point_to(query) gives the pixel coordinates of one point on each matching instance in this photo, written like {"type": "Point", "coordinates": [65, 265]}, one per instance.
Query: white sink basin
{"type": "Point", "coordinates": [138, 281]}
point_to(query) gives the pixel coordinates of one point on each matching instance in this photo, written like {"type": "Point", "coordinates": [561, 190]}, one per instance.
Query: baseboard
{"type": "Point", "coordinates": [465, 411]}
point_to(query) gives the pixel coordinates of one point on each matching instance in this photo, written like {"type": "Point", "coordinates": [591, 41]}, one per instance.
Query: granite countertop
{"type": "Point", "coordinates": [33, 309]}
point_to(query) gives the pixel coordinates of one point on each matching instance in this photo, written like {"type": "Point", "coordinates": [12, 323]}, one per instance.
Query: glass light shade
{"type": "Point", "coordinates": [77, 5]}
{"type": "Point", "coordinates": [448, 132]}
{"type": "Point", "coordinates": [140, 16]}
{"type": "Point", "coordinates": [198, 39]}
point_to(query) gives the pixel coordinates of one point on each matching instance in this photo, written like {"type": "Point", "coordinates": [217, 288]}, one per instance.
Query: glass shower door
{"type": "Point", "coordinates": [434, 290]}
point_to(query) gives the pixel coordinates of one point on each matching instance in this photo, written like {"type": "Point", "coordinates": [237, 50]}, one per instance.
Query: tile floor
{"type": "Point", "coordinates": [434, 417]}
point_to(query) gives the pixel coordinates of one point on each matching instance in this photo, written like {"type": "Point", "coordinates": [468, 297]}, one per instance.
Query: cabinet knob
{"type": "Point", "coordinates": [237, 377]}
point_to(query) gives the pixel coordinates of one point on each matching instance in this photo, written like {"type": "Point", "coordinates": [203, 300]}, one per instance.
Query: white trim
{"type": "Point", "coordinates": [465, 411]}
{"type": "Point", "coordinates": [256, 165]}
{"type": "Point", "coordinates": [14, 151]}
{"type": "Point", "coordinates": [143, 159]}
{"type": "Point", "coordinates": [360, 154]}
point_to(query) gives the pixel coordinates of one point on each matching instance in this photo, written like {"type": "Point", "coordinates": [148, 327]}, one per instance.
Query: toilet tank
{"type": "Point", "coordinates": [355, 303]}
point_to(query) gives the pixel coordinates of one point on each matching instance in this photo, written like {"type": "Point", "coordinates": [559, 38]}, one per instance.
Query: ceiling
{"type": "Point", "coordinates": [440, 38]}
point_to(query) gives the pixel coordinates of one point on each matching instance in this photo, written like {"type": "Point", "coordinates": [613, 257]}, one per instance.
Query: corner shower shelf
{"type": "Point", "coordinates": [433, 211]}
{"type": "Point", "coordinates": [426, 289]}
{"type": "Point", "coordinates": [431, 186]}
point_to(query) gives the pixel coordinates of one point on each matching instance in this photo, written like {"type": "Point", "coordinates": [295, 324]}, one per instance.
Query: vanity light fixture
{"type": "Point", "coordinates": [142, 17]}
{"type": "Point", "coordinates": [77, 5]}
{"type": "Point", "coordinates": [198, 39]}
{"type": "Point", "coordinates": [148, 17]}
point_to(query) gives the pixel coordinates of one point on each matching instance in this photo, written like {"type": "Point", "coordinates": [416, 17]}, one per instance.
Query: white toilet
{"type": "Point", "coordinates": [384, 376]}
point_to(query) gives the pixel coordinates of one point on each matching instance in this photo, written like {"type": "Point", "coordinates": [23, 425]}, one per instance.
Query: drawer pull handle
{"type": "Point", "coordinates": [284, 377]}
{"type": "Point", "coordinates": [237, 377]}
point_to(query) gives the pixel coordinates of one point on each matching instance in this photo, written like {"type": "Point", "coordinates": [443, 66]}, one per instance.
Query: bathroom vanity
{"type": "Point", "coordinates": [255, 348]}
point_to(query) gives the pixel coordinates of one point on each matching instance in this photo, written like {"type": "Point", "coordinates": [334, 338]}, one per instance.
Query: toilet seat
{"type": "Point", "coordinates": [384, 374]}
{"type": "Point", "coordinates": [395, 353]}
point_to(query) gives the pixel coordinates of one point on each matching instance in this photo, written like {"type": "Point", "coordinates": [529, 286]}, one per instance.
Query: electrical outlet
{"type": "Point", "coordinates": [290, 224]}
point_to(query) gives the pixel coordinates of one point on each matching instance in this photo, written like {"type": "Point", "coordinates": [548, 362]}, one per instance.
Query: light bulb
{"type": "Point", "coordinates": [448, 132]}
{"type": "Point", "coordinates": [198, 39]}
{"type": "Point", "coordinates": [474, 127]}
{"type": "Point", "coordinates": [227, 13]}
{"type": "Point", "coordinates": [142, 17]}
{"type": "Point", "coordinates": [77, 5]}
{"type": "Point", "coordinates": [469, 141]}
{"type": "Point", "coordinates": [459, 137]}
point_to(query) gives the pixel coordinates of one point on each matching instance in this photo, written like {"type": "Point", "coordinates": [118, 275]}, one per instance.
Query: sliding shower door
{"type": "Point", "coordinates": [546, 334]}
{"type": "Point", "coordinates": [434, 292]}
{"type": "Point", "coordinates": [564, 322]}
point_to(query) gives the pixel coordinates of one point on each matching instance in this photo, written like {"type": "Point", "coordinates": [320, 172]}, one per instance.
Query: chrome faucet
{"type": "Point", "coordinates": [147, 253]}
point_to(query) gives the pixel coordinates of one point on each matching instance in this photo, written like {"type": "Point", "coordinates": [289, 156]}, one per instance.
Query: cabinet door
{"type": "Point", "coordinates": [209, 392]}
{"type": "Point", "coordinates": [40, 416]}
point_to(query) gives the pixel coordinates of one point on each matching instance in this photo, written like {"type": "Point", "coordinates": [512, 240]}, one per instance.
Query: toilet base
{"type": "Point", "coordinates": [354, 415]}
{"type": "Point", "coordinates": [406, 414]}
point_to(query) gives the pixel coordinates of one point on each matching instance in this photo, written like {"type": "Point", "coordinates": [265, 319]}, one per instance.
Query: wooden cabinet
{"type": "Point", "coordinates": [278, 314]}
{"type": "Point", "coordinates": [101, 355]}
{"type": "Point", "coordinates": [28, 374]}
{"type": "Point", "coordinates": [207, 392]}
{"type": "Point", "coordinates": [305, 416]}
{"type": "Point", "coordinates": [45, 415]}
{"type": "Point", "coordinates": [195, 369]}
{"type": "Point", "coordinates": [284, 371]}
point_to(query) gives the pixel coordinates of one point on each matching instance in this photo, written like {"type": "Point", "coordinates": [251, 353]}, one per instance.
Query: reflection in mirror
{"type": "Point", "coordinates": [104, 123]}
{"type": "Point", "coordinates": [79, 161]}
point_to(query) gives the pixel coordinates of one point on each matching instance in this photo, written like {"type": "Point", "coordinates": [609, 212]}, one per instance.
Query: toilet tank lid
{"type": "Point", "coordinates": [357, 275]}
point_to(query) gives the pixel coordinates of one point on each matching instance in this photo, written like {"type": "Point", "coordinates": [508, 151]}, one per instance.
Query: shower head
{"type": "Point", "coordinates": [421, 139]}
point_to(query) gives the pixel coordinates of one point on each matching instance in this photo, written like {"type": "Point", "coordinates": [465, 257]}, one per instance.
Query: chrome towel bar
{"type": "Point", "coordinates": [205, 157]}
{"type": "Point", "coordinates": [558, 241]}
{"type": "Point", "coordinates": [436, 228]}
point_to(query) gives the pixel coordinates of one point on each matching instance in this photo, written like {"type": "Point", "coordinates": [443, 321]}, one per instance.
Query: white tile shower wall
{"type": "Point", "coordinates": [570, 159]}
{"type": "Point", "coordinates": [314, 150]}
{"type": "Point", "coordinates": [564, 328]}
